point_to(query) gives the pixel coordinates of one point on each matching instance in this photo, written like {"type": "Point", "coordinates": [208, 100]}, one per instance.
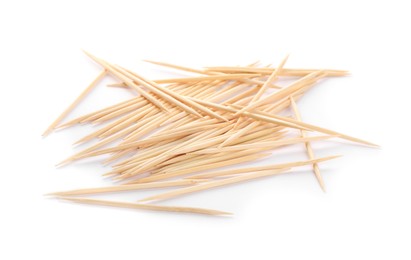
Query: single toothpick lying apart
{"type": "Point", "coordinates": [183, 133]}
{"type": "Point", "coordinates": [146, 206]}
{"type": "Point", "coordinates": [75, 102]}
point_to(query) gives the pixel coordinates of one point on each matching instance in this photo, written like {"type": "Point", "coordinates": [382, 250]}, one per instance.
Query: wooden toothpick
{"type": "Point", "coordinates": [308, 147]}
{"type": "Point", "coordinates": [75, 102]}
{"type": "Point", "coordinates": [130, 187]}
{"type": "Point", "coordinates": [146, 206]}
{"type": "Point", "coordinates": [213, 184]}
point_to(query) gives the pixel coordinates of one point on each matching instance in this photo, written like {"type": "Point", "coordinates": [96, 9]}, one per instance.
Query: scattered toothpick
{"type": "Point", "coordinates": [185, 132]}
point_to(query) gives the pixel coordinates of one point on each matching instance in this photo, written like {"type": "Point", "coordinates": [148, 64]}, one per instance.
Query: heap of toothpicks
{"type": "Point", "coordinates": [198, 132]}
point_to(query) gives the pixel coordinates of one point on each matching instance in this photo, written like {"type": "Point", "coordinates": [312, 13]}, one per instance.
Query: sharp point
{"type": "Point", "coordinates": [51, 194]}
{"type": "Point", "coordinates": [64, 162]}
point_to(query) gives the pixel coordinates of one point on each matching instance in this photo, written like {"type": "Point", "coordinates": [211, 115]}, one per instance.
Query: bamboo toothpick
{"type": "Point", "coordinates": [130, 187]}
{"type": "Point", "coordinates": [268, 71]}
{"type": "Point", "coordinates": [210, 175]}
{"type": "Point", "coordinates": [287, 90]}
{"type": "Point", "coordinates": [146, 206]}
{"type": "Point", "coordinates": [208, 78]}
{"type": "Point", "coordinates": [75, 102]}
{"type": "Point", "coordinates": [308, 147]}
{"type": "Point", "coordinates": [130, 83]}
{"type": "Point", "coordinates": [272, 144]}
{"type": "Point", "coordinates": [167, 175]}
{"type": "Point", "coordinates": [214, 184]}
{"type": "Point", "coordinates": [205, 72]}
{"type": "Point", "coordinates": [270, 80]}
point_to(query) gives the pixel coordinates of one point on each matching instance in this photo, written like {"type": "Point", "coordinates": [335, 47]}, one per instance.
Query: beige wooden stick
{"type": "Point", "coordinates": [205, 72]}
{"type": "Point", "coordinates": [268, 145]}
{"type": "Point", "coordinates": [218, 139]}
{"type": "Point", "coordinates": [203, 159]}
{"type": "Point", "coordinates": [285, 121]}
{"type": "Point", "coordinates": [210, 175]}
{"type": "Point", "coordinates": [200, 162]}
{"type": "Point", "coordinates": [100, 144]}
{"type": "Point", "coordinates": [287, 90]}
{"type": "Point", "coordinates": [311, 127]}
{"type": "Point", "coordinates": [146, 206]}
{"type": "Point", "coordinates": [129, 82]}
{"type": "Point", "coordinates": [151, 125]}
{"type": "Point", "coordinates": [248, 128]}
{"type": "Point", "coordinates": [308, 147]}
{"type": "Point", "coordinates": [139, 101]}
{"type": "Point", "coordinates": [268, 71]}
{"type": "Point", "coordinates": [207, 78]}
{"type": "Point", "coordinates": [123, 121]}
{"type": "Point", "coordinates": [159, 91]}
{"type": "Point", "coordinates": [239, 133]}
{"type": "Point", "coordinates": [153, 154]}
{"type": "Point", "coordinates": [260, 92]}
{"type": "Point", "coordinates": [154, 161]}
{"type": "Point", "coordinates": [96, 114]}
{"type": "Point", "coordinates": [124, 111]}
{"type": "Point", "coordinates": [154, 139]}
{"type": "Point", "coordinates": [270, 80]}
{"type": "Point", "coordinates": [126, 121]}
{"type": "Point", "coordinates": [181, 67]}
{"type": "Point", "coordinates": [251, 115]}
{"type": "Point", "coordinates": [75, 102]}
{"type": "Point", "coordinates": [214, 184]}
{"type": "Point", "coordinates": [167, 175]}
{"type": "Point", "coordinates": [175, 98]}
{"type": "Point", "coordinates": [130, 187]}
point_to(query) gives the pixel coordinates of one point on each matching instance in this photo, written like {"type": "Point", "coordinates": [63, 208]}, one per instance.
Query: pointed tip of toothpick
{"type": "Point", "coordinates": [86, 52]}
{"type": "Point", "coordinates": [64, 197]}
{"type": "Point", "coordinates": [377, 146]}
{"type": "Point", "coordinates": [225, 213]}
{"type": "Point", "coordinates": [149, 61]}
{"type": "Point", "coordinates": [90, 55]}
{"type": "Point", "coordinates": [51, 194]}
{"type": "Point", "coordinates": [64, 162]}
{"type": "Point", "coordinates": [47, 132]}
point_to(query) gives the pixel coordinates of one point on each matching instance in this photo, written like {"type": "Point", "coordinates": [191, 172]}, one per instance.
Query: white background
{"type": "Point", "coordinates": [365, 213]}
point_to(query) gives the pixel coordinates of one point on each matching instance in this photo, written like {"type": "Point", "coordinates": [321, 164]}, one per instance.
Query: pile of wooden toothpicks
{"type": "Point", "coordinates": [197, 132]}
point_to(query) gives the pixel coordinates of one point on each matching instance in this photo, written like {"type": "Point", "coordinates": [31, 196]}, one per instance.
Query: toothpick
{"type": "Point", "coordinates": [308, 147]}
{"type": "Point", "coordinates": [287, 90]}
{"type": "Point", "coordinates": [273, 144]}
{"type": "Point", "coordinates": [252, 115]}
{"type": "Point", "coordinates": [75, 102]}
{"type": "Point", "coordinates": [146, 206]}
{"type": "Point", "coordinates": [270, 80]}
{"type": "Point", "coordinates": [167, 175]}
{"type": "Point", "coordinates": [207, 78]}
{"type": "Point", "coordinates": [130, 187]}
{"type": "Point", "coordinates": [268, 71]}
{"type": "Point", "coordinates": [213, 184]}
{"type": "Point", "coordinates": [310, 127]}
{"type": "Point", "coordinates": [150, 140]}
{"type": "Point", "coordinates": [96, 114]}
{"type": "Point", "coordinates": [130, 83]}
{"type": "Point", "coordinates": [173, 97]}
{"type": "Point", "coordinates": [210, 175]}
{"type": "Point", "coordinates": [204, 72]}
